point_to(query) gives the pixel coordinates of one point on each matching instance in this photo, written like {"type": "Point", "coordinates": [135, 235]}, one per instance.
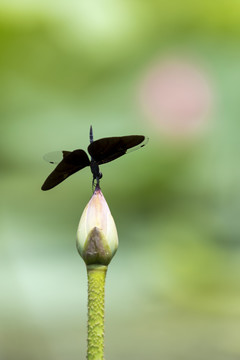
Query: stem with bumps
{"type": "Point", "coordinates": [96, 286]}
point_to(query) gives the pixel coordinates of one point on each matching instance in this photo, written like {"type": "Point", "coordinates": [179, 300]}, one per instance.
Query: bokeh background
{"type": "Point", "coordinates": [169, 70]}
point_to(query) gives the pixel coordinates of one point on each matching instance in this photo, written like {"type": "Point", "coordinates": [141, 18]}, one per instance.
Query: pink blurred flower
{"type": "Point", "coordinates": [176, 96]}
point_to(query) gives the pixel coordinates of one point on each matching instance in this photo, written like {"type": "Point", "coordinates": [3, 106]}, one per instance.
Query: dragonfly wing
{"type": "Point", "coordinates": [55, 157]}
{"type": "Point", "coordinates": [71, 163]}
{"type": "Point", "coordinates": [108, 149]}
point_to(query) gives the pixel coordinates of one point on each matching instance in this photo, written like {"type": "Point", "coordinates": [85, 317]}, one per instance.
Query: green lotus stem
{"type": "Point", "coordinates": [96, 291]}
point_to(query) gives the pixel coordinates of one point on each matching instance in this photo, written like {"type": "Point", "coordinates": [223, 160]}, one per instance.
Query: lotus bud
{"type": "Point", "coordinates": [97, 239]}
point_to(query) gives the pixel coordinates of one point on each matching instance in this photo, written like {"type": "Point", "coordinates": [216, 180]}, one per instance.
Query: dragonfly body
{"type": "Point", "coordinates": [97, 175]}
{"type": "Point", "coordinates": [101, 151]}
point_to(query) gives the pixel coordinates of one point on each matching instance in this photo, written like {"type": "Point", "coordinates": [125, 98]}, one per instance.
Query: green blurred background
{"type": "Point", "coordinates": [173, 287]}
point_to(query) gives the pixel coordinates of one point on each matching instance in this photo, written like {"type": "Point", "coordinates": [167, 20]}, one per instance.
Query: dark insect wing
{"type": "Point", "coordinates": [55, 157]}
{"type": "Point", "coordinates": [71, 163]}
{"type": "Point", "coordinates": [136, 147]}
{"type": "Point", "coordinates": [111, 148]}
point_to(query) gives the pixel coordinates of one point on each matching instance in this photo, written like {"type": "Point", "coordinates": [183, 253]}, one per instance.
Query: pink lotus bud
{"type": "Point", "coordinates": [97, 239]}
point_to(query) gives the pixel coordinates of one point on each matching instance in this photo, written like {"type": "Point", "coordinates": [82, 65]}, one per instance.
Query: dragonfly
{"type": "Point", "coordinates": [101, 152]}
